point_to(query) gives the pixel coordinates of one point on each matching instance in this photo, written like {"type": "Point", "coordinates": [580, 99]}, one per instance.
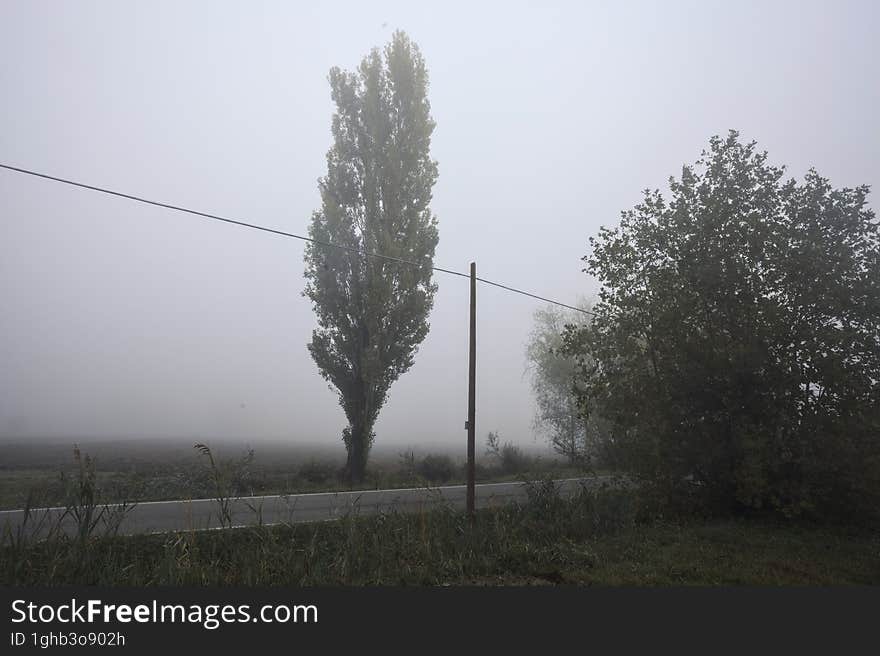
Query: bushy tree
{"type": "Point", "coordinates": [553, 377]}
{"type": "Point", "coordinates": [372, 313]}
{"type": "Point", "coordinates": [736, 345]}
{"type": "Point", "coordinates": [509, 457]}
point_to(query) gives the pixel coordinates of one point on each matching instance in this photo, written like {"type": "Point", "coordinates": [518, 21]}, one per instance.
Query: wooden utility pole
{"type": "Point", "coordinates": [472, 395]}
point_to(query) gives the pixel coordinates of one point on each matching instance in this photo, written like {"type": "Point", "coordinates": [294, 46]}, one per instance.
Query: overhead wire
{"type": "Point", "coordinates": [282, 233]}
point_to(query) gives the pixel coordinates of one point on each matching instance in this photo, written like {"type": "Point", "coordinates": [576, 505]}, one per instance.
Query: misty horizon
{"type": "Point", "coordinates": [122, 321]}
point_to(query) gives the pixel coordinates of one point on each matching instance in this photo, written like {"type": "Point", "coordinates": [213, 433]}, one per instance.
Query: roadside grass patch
{"type": "Point", "coordinates": [596, 538]}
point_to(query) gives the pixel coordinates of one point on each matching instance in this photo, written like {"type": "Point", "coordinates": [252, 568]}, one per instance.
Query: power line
{"type": "Point", "coordinates": [281, 233]}
{"type": "Point", "coordinates": [221, 218]}
{"type": "Point", "coordinates": [540, 298]}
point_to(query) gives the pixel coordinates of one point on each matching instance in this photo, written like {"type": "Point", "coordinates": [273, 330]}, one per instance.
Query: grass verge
{"type": "Point", "coordinates": [594, 538]}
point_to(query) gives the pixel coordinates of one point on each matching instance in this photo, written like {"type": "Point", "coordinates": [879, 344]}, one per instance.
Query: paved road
{"type": "Point", "coordinates": [196, 514]}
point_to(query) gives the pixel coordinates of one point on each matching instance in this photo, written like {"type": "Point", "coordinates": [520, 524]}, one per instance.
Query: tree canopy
{"type": "Point", "coordinates": [372, 312]}
{"type": "Point", "coordinates": [736, 343]}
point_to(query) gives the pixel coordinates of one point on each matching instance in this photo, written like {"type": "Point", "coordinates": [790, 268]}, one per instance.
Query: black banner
{"type": "Point", "coordinates": [391, 620]}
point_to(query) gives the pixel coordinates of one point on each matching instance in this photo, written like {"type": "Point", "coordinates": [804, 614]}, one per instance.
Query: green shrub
{"type": "Point", "coordinates": [509, 457]}
{"type": "Point", "coordinates": [436, 468]}
{"type": "Point", "coordinates": [317, 473]}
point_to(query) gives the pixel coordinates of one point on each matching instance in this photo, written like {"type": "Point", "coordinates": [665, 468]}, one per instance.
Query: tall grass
{"type": "Point", "coordinates": [429, 547]}
{"type": "Point", "coordinates": [83, 505]}
{"type": "Point", "coordinates": [227, 480]}
{"type": "Point", "coordinates": [602, 536]}
{"type": "Point", "coordinates": [72, 528]}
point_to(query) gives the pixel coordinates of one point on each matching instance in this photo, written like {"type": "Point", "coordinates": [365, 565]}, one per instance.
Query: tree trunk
{"type": "Point", "coordinates": [360, 436]}
{"type": "Point", "coordinates": [357, 454]}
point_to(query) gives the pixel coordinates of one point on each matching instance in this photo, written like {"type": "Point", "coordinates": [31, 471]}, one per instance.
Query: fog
{"type": "Point", "coordinates": [124, 320]}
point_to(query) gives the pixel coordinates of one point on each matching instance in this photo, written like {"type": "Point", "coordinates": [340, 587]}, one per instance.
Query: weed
{"type": "Point", "coordinates": [227, 479]}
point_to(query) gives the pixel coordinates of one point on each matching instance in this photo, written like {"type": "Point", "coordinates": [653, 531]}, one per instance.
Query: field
{"type": "Point", "coordinates": [132, 471]}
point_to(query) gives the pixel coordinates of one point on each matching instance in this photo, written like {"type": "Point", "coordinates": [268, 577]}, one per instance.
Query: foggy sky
{"type": "Point", "coordinates": [120, 319]}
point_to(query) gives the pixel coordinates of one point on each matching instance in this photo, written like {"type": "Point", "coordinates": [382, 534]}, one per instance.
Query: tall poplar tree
{"type": "Point", "coordinates": [372, 312]}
